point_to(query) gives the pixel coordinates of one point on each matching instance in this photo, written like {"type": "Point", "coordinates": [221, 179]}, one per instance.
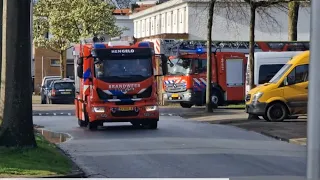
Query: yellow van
{"type": "Point", "coordinates": [286, 94]}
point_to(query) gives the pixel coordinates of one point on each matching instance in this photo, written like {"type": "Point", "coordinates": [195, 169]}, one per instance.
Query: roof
{"type": "Point", "coordinates": [302, 58]}
{"type": "Point", "coordinates": [127, 12]}
{"type": "Point", "coordinates": [276, 54]}
{"type": "Point", "coordinates": [62, 81]}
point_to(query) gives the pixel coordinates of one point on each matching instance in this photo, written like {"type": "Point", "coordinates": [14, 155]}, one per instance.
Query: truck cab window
{"type": "Point", "coordinates": [267, 71]}
{"type": "Point", "coordinates": [299, 74]}
{"type": "Point", "coordinates": [200, 65]}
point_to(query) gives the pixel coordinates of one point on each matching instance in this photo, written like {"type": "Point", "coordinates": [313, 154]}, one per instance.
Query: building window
{"type": "Point", "coordinates": [55, 62]}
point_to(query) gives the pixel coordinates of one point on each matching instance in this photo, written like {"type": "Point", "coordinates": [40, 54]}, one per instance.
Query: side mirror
{"type": "Point", "coordinates": [80, 71]}
{"type": "Point", "coordinates": [80, 61]}
{"type": "Point", "coordinates": [285, 81]}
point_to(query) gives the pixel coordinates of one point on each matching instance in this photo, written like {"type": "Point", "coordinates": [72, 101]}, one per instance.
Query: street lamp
{"type": "Point", "coordinates": [313, 161]}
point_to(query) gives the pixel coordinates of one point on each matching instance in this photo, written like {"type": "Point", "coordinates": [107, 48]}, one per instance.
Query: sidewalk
{"type": "Point", "coordinates": [291, 130]}
{"type": "Point", "coordinates": [219, 116]}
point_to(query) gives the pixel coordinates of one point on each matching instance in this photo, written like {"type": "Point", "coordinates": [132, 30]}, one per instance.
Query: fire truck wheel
{"type": "Point", "coordinates": [215, 99]}
{"type": "Point", "coordinates": [92, 126]}
{"type": "Point", "coordinates": [135, 124]}
{"type": "Point", "coordinates": [153, 125]}
{"type": "Point", "coordinates": [82, 123]}
{"type": "Point", "coordinates": [185, 105]}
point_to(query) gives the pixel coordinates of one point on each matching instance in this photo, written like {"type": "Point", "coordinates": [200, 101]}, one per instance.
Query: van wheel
{"type": "Point", "coordinates": [266, 118]}
{"type": "Point", "coordinates": [185, 105]}
{"type": "Point", "coordinates": [277, 112]}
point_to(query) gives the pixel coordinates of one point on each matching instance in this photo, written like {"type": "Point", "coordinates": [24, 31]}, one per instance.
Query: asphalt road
{"type": "Point", "coordinates": [69, 110]}
{"type": "Point", "coordinates": [179, 148]}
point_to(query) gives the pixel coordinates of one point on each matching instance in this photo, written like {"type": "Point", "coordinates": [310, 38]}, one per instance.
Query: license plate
{"type": "Point", "coordinates": [65, 92]}
{"type": "Point", "coordinates": [175, 95]}
{"type": "Point", "coordinates": [126, 109]}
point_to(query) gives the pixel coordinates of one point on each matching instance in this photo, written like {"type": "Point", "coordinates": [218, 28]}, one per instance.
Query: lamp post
{"type": "Point", "coordinates": [313, 161]}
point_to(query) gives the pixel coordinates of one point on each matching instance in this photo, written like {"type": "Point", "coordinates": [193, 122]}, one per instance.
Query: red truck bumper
{"type": "Point", "coordinates": [106, 112]}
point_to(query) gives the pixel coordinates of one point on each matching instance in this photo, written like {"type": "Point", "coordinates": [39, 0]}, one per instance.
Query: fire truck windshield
{"type": "Point", "coordinates": [179, 66]}
{"type": "Point", "coordinates": [123, 70]}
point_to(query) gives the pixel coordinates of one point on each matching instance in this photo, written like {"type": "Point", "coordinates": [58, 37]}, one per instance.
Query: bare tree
{"type": "Point", "coordinates": [293, 16]}
{"type": "Point", "coordinates": [16, 99]}
{"type": "Point", "coordinates": [209, 56]}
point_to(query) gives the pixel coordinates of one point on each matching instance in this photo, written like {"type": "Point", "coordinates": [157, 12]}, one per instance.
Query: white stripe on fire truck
{"type": "Point", "coordinates": [197, 81]}
{"type": "Point", "coordinates": [204, 81]}
{"type": "Point", "coordinates": [142, 90]}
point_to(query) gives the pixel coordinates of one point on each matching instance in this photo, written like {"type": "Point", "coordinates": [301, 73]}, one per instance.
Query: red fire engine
{"type": "Point", "coordinates": [185, 82]}
{"type": "Point", "coordinates": [115, 82]}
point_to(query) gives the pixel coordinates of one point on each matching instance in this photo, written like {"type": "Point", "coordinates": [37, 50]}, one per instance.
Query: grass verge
{"type": "Point", "coordinates": [234, 106]}
{"type": "Point", "coordinates": [45, 160]}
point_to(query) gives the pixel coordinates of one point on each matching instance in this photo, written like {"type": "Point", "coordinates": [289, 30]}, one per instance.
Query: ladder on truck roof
{"type": "Point", "coordinates": [172, 47]}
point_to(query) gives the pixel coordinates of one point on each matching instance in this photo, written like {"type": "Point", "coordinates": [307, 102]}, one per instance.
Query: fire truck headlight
{"type": "Point", "coordinates": [187, 95]}
{"type": "Point", "coordinates": [98, 109]}
{"type": "Point", "coordinates": [151, 108]}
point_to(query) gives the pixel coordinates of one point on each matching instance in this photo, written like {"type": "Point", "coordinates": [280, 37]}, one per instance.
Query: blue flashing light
{"type": "Point", "coordinates": [99, 46]}
{"type": "Point", "coordinates": [144, 44]}
{"type": "Point", "coordinates": [199, 51]}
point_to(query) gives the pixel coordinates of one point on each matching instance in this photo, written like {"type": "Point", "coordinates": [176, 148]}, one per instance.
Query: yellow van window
{"type": "Point", "coordinates": [299, 74]}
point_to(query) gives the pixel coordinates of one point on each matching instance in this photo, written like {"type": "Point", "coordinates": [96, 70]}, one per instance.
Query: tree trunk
{"type": "Point", "coordinates": [1, 12]}
{"type": "Point", "coordinates": [62, 60]}
{"type": "Point", "coordinates": [252, 43]}
{"type": "Point", "coordinates": [209, 57]}
{"type": "Point", "coordinates": [293, 16]}
{"type": "Point", "coordinates": [251, 50]}
{"type": "Point", "coordinates": [17, 126]}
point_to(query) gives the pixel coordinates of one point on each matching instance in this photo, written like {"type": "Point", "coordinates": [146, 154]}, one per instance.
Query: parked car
{"type": "Point", "coordinates": [44, 87]}
{"type": "Point", "coordinates": [61, 91]}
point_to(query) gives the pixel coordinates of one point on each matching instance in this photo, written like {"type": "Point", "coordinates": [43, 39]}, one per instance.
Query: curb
{"type": "Point", "coordinates": [291, 141]}
{"type": "Point", "coordinates": [77, 171]}
{"type": "Point", "coordinates": [228, 121]}
{"type": "Point", "coordinates": [75, 167]}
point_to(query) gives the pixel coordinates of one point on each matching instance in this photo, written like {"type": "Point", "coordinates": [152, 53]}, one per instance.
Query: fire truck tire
{"type": "Point", "coordinates": [82, 123]}
{"type": "Point", "coordinates": [153, 125]}
{"type": "Point", "coordinates": [215, 99]}
{"type": "Point", "coordinates": [135, 124]}
{"type": "Point", "coordinates": [185, 105]}
{"type": "Point", "coordinates": [92, 126]}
